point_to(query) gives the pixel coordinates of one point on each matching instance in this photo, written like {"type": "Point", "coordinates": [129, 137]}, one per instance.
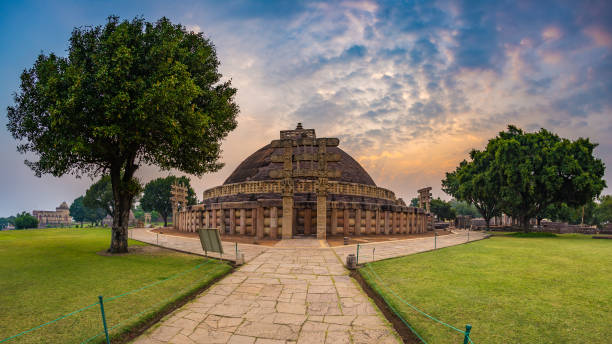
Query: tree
{"type": "Point", "coordinates": [156, 195]}
{"type": "Point", "coordinates": [442, 209]}
{"type": "Point", "coordinates": [464, 208]}
{"type": "Point", "coordinates": [25, 220]}
{"type": "Point", "coordinates": [476, 182]}
{"type": "Point", "coordinates": [414, 202]}
{"type": "Point", "coordinates": [128, 93]}
{"type": "Point", "coordinates": [100, 196]}
{"type": "Point", "coordinates": [603, 212]}
{"type": "Point", "coordinates": [540, 169]}
{"type": "Point", "coordinates": [78, 211]}
{"type": "Point", "coordinates": [5, 221]}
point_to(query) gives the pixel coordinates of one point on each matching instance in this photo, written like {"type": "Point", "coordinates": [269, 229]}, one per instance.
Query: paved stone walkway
{"type": "Point", "coordinates": [284, 295]}
{"type": "Point", "coordinates": [398, 248]}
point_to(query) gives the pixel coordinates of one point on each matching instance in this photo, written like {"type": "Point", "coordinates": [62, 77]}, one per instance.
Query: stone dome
{"type": "Point", "coordinates": [257, 167]}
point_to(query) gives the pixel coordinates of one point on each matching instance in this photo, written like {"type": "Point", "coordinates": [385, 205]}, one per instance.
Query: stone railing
{"type": "Point", "coordinates": [301, 186]}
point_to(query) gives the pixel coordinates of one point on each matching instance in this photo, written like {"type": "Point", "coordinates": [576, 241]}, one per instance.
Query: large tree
{"type": "Point", "coordinates": [541, 169]}
{"type": "Point", "coordinates": [78, 211]}
{"type": "Point", "coordinates": [476, 182]}
{"type": "Point", "coordinates": [100, 196]}
{"type": "Point", "coordinates": [442, 209]}
{"type": "Point", "coordinates": [25, 220]}
{"type": "Point", "coordinates": [128, 93]}
{"type": "Point", "coordinates": [156, 195]}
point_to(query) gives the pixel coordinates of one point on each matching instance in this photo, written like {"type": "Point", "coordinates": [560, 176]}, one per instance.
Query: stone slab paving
{"type": "Point", "coordinates": [194, 246]}
{"type": "Point", "coordinates": [297, 294]}
{"type": "Point", "coordinates": [397, 248]}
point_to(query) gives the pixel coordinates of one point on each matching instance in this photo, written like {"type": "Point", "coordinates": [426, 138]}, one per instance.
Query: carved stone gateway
{"type": "Point", "coordinates": [311, 163]}
{"type": "Point", "coordinates": [179, 201]}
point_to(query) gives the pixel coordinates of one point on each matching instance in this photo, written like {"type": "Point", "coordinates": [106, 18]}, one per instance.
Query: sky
{"type": "Point", "coordinates": [409, 87]}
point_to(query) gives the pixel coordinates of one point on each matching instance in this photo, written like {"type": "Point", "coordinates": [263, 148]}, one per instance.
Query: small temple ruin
{"type": "Point", "coordinates": [300, 185]}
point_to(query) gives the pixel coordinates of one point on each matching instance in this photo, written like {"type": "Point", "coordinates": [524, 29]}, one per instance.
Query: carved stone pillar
{"type": "Point", "coordinates": [334, 221]}
{"type": "Point", "coordinates": [273, 222]}
{"type": "Point", "coordinates": [287, 217]}
{"type": "Point", "coordinates": [378, 229]}
{"type": "Point", "coordinates": [345, 224]}
{"type": "Point", "coordinates": [358, 221]}
{"type": "Point", "coordinates": [242, 228]}
{"type": "Point", "coordinates": [232, 221]}
{"type": "Point", "coordinates": [260, 223]}
{"type": "Point", "coordinates": [368, 222]}
{"type": "Point", "coordinates": [214, 219]}
{"type": "Point", "coordinates": [307, 221]}
{"type": "Point", "coordinates": [321, 216]}
{"type": "Point", "coordinates": [386, 228]}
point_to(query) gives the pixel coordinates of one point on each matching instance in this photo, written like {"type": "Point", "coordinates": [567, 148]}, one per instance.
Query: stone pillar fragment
{"type": "Point", "coordinates": [334, 221]}
{"type": "Point", "coordinates": [260, 223]}
{"type": "Point", "coordinates": [242, 229]}
{"type": "Point", "coordinates": [232, 221]}
{"type": "Point", "coordinates": [273, 222]}
{"type": "Point", "coordinates": [287, 217]}
{"type": "Point", "coordinates": [358, 221]}
{"type": "Point", "coordinates": [321, 217]}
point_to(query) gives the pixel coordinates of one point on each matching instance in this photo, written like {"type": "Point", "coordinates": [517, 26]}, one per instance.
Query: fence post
{"type": "Point", "coordinates": [103, 319]}
{"type": "Point", "coordinates": [435, 239]}
{"type": "Point", "coordinates": [357, 260]}
{"type": "Point", "coordinates": [466, 338]}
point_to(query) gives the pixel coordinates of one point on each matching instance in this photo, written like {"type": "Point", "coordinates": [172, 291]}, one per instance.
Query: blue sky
{"type": "Point", "coordinates": [409, 87]}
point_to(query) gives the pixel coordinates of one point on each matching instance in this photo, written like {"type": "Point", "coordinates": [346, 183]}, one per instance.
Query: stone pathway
{"type": "Point", "coordinates": [398, 248]}
{"type": "Point", "coordinates": [284, 295]}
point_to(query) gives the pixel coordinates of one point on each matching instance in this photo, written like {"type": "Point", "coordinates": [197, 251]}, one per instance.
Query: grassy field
{"type": "Point", "coordinates": [51, 272]}
{"type": "Point", "coordinates": [510, 289]}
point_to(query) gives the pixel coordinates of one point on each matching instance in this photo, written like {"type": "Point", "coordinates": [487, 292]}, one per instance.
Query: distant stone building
{"type": "Point", "coordinates": [108, 220]}
{"type": "Point", "coordinates": [49, 218]}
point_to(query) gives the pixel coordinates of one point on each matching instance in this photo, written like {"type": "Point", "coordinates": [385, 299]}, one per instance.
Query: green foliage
{"type": "Point", "coordinates": [78, 210]}
{"type": "Point", "coordinates": [528, 175]}
{"type": "Point", "coordinates": [442, 209]}
{"type": "Point", "coordinates": [100, 196]}
{"type": "Point", "coordinates": [5, 221]}
{"type": "Point", "coordinates": [128, 93]}
{"type": "Point", "coordinates": [414, 202]}
{"type": "Point", "coordinates": [464, 208]}
{"type": "Point", "coordinates": [476, 182]}
{"type": "Point", "coordinates": [25, 220]}
{"type": "Point", "coordinates": [603, 213]}
{"type": "Point", "coordinates": [156, 195]}
{"type": "Point", "coordinates": [574, 215]}
{"type": "Point", "coordinates": [540, 169]}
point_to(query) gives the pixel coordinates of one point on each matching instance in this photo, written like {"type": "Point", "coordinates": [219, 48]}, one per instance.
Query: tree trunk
{"type": "Point", "coordinates": [488, 221]}
{"type": "Point", "coordinates": [526, 226]}
{"type": "Point", "coordinates": [165, 220]}
{"type": "Point", "coordinates": [121, 212]}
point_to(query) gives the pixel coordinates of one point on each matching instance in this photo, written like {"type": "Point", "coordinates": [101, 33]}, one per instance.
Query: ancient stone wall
{"type": "Point", "coordinates": [263, 219]}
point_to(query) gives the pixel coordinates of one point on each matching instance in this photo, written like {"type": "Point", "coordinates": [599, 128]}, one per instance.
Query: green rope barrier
{"type": "Point", "coordinates": [48, 323]}
{"type": "Point", "coordinates": [152, 307]}
{"type": "Point", "coordinates": [399, 316]}
{"type": "Point", "coordinates": [411, 306]}
{"type": "Point", "coordinates": [107, 300]}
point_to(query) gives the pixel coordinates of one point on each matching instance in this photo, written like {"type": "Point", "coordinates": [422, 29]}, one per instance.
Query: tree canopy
{"type": "Point", "coordinates": [25, 220]}
{"type": "Point", "coordinates": [442, 209]}
{"type": "Point", "coordinates": [156, 195]}
{"type": "Point", "coordinates": [100, 196]}
{"type": "Point", "coordinates": [128, 93]}
{"type": "Point", "coordinates": [526, 175]}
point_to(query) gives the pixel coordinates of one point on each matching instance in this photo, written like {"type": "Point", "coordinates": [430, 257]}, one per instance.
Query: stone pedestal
{"type": "Point", "coordinates": [287, 217]}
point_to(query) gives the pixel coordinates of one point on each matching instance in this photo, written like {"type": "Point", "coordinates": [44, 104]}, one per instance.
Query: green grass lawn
{"type": "Point", "coordinates": [510, 289]}
{"type": "Point", "coordinates": [51, 272]}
